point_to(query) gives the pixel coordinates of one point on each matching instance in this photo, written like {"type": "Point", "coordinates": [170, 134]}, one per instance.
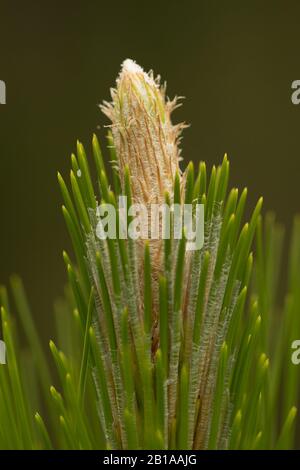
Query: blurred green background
{"type": "Point", "coordinates": [233, 61]}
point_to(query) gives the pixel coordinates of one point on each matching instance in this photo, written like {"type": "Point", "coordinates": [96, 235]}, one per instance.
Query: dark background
{"type": "Point", "coordinates": [234, 61]}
